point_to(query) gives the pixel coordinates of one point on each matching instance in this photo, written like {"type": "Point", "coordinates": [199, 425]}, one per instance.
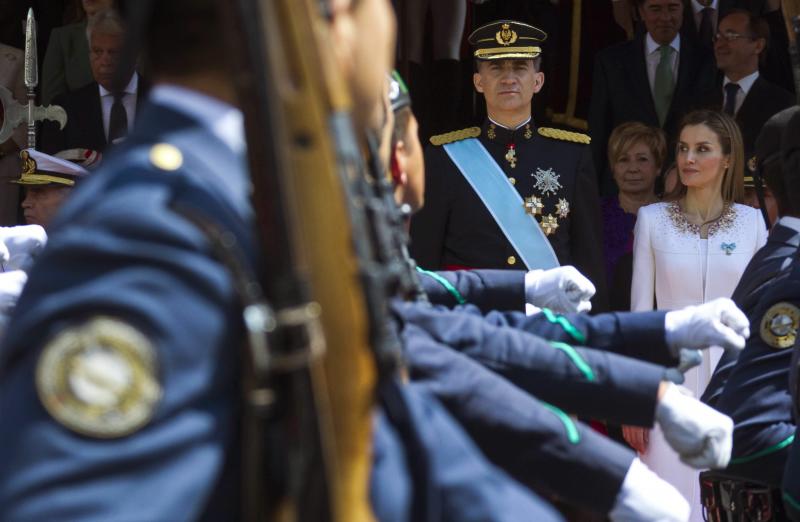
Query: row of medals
{"type": "Point", "coordinates": [533, 204]}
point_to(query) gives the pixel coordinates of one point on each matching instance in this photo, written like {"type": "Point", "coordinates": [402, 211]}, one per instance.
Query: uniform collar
{"type": "Point", "coordinates": [496, 133]}
{"type": "Point", "coordinates": [790, 222]}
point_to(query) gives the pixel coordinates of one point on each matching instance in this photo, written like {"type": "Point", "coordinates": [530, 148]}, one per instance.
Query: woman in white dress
{"type": "Point", "coordinates": [690, 250]}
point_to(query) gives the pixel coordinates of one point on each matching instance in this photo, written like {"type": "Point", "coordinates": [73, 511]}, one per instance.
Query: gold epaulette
{"type": "Point", "coordinates": [561, 134]}
{"type": "Point", "coordinates": [450, 137]}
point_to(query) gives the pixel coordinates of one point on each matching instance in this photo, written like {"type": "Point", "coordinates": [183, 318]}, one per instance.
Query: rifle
{"type": "Point", "coordinates": [312, 204]}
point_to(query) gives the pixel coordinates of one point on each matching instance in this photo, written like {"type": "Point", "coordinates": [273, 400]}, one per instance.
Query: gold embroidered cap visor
{"type": "Point", "coordinates": [507, 40]}
{"type": "Point", "coordinates": [39, 168]}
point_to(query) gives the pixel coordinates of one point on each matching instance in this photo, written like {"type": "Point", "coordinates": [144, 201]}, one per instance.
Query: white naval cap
{"type": "Point", "coordinates": [39, 168]}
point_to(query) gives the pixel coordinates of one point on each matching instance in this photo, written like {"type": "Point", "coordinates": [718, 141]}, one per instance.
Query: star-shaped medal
{"type": "Point", "coordinates": [546, 181]}
{"type": "Point", "coordinates": [549, 224]}
{"type": "Point", "coordinates": [562, 208]}
{"type": "Point", "coordinates": [534, 206]}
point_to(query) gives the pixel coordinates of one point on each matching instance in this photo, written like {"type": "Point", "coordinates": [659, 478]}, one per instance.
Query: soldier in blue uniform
{"type": "Point", "coordinates": [791, 166]}
{"type": "Point", "coordinates": [120, 374]}
{"type": "Point", "coordinates": [753, 387]}
{"type": "Point", "coordinates": [550, 169]}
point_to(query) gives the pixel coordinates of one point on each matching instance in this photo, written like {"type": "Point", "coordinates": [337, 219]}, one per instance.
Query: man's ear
{"type": "Point", "coordinates": [399, 162]}
{"type": "Point", "coordinates": [538, 82]}
{"type": "Point", "coordinates": [477, 81]}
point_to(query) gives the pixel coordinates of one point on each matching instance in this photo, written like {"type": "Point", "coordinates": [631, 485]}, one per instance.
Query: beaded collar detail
{"type": "Point", "coordinates": [722, 224]}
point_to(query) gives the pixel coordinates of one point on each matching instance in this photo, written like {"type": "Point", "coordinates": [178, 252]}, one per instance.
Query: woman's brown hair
{"type": "Point", "coordinates": [630, 133]}
{"type": "Point", "coordinates": [730, 138]}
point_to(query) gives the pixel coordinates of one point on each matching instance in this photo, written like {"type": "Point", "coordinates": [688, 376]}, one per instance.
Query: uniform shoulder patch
{"type": "Point", "coordinates": [779, 325]}
{"type": "Point", "coordinates": [166, 157]}
{"type": "Point", "coordinates": [450, 137]}
{"type": "Point", "coordinates": [564, 135]}
{"type": "Point", "coordinates": [99, 378]}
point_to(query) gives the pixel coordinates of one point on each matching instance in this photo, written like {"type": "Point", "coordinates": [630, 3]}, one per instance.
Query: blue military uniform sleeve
{"type": "Point", "coordinates": [132, 259]}
{"type": "Point", "coordinates": [639, 335]}
{"type": "Point", "coordinates": [459, 483]}
{"type": "Point", "coordinates": [486, 289]}
{"type": "Point", "coordinates": [583, 381]}
{"type": "Point", "coordinates": [791, 482]}
{"type": "Point", "coordinates": [536, 443]}
{"type": "Point", "coordinates": [756, 393]}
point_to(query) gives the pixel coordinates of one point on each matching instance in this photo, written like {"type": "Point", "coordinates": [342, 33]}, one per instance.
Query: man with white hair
{"type": "Point", "coordinates": [100, 113]}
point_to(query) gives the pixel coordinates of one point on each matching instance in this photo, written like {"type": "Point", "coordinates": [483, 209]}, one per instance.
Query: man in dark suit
{"type": "Point", "coordinates": [650, 79]}
{"type": "Point", "coordinates": [776, 66]}
{"type": "Point", "coordinates": [98, 114]}
{"type": "Point", "coordinates": [740, 44]}
{"type": "Point", "coordinates": [550, 169]}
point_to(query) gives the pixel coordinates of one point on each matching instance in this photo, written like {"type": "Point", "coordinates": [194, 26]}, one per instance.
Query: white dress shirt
{"type": "Point", "coordinates": [653, 56]}
{"type": "Point", "coordinates": [697, 7]}
{"type": "Point", "coordinates": [745, 84]}
{"type": "Point", "coordinates": [128, 101]}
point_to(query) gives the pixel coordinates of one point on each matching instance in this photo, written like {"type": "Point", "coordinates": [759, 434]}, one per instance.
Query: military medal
{"type": "Point", "coordinates": [728, 248]}
{"type": "Point", "coordinates": [546, 181]}
{"type": "Point", "coordinates": [562, 208]}
{"type": "Point", "coordinates": [549, 224]}
{"type": "Point", "coordinates": [534, 206]}
{"type": "Point", "coordinates": [779, 325]}
{"type": "Point", "coordinates": [511, 155]}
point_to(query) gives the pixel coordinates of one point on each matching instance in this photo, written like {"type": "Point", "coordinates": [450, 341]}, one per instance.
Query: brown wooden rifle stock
{"type": "Point", "coordinates": [293, 98]}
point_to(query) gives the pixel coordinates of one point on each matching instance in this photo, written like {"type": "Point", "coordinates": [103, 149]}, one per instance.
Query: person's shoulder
{"type": "Point", "coordinates": [746, 212]}
{"type": "Point", "coordinates": [563, 137]}
{"type": "Point", "coordinates": [453, 136]}
{"type": "Point", "coordinates": [618, 50]}
{"type": "Point", "coordinates": [660, 208]}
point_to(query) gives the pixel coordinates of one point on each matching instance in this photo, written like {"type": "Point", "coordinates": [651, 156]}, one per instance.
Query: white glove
{"type": "Point", "coordinates": [11, 285]}
{"type": "Point", "coordinates": [562, 289]}
{"type": "Point", "coordinates": [23, 243]}
{"type": "Point", "coordinates": [702, 436]}
{"type": "Point", "coordinates": [645, 497]}
{"type": "Point", "coordinates": [716, 323]}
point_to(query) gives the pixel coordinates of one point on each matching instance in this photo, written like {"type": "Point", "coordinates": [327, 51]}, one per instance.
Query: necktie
{"type": "Point", "coordinates": [118, 121]}
{"type": "Point", "coordinates": [664, 84]}
{"type": "Point", "coordinates": [705, 31]}
{"type": "Point", "coordinates": [731, 90]}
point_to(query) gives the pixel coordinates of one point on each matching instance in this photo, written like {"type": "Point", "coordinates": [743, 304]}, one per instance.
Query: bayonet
{"type": "Point", "coordinates": [16, 113]}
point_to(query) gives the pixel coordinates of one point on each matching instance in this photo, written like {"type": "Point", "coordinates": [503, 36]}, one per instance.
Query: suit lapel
{"type": "Point", "coordinates": [750, 104]}
{"type": "Point", "coordinates": [637, 65]}
{"type": "Point", "coordinates": [95, 116]}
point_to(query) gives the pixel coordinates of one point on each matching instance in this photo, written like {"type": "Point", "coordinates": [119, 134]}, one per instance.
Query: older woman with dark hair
{"type": "Point", "coordinates": [636, 152]}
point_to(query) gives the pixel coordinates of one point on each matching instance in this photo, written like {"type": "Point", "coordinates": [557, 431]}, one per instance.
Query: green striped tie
{"type": "Point", "coordinates": [664, 84]}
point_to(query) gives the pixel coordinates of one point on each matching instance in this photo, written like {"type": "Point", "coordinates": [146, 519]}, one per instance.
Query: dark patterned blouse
{"type": "Point", "coordinates": [618, 251]}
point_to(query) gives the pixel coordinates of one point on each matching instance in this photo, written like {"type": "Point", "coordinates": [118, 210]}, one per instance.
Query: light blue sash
{"type": "Point", "coordinates": [503, 202]}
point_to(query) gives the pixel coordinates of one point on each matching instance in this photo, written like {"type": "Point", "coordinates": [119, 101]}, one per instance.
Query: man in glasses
{"type": "Point", "coordinates": [740, 44]}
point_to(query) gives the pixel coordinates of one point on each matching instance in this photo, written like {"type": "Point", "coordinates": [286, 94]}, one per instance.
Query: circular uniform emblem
{"type": "Point", "coordinates": [99, 378]}
{"type": "Point", "coordinates": [779, 325]}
